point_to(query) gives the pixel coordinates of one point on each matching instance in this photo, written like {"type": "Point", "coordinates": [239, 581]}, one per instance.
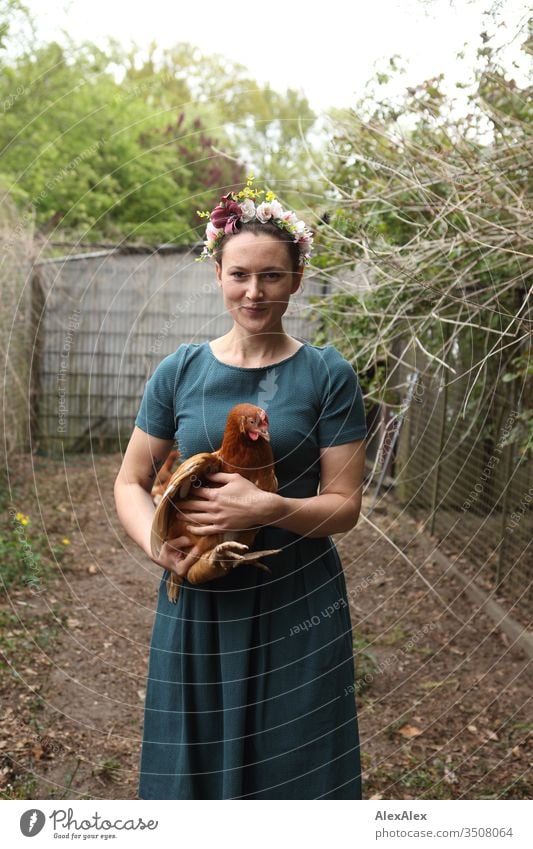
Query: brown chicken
{"type": "Point", "coordinates": [246, 450]}
{"type": "Point", "coordinates": [163, 476]}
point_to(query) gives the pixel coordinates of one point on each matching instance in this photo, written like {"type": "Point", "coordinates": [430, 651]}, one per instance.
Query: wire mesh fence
{"type": "Point", "coordinates": [103, 323]}
{"type": "Point", "coordinates": [462, 472]}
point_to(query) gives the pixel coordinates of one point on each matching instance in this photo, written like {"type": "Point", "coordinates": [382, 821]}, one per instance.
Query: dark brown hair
{"type": "Point", "coordinates": [260, 229]}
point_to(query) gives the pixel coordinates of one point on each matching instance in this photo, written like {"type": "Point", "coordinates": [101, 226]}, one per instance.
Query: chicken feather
{"type": "Point", "coordinates": [245, 449]}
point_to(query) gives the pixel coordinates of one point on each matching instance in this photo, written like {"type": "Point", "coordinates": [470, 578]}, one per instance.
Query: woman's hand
{"type": "Point", "coordinates": [235, 506]}
{"type": "Point", "coordinates": [178, 555]}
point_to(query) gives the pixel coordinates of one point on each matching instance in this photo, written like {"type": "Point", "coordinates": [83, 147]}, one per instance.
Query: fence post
{"type": "Point", "coordinates": [436, 478]}
{"type": "Point", "coordinates": [35, 317]}
{"type": "Point", "coordinates": [505, 500]}
{"type": "Point", "coordinates": [436, 474]}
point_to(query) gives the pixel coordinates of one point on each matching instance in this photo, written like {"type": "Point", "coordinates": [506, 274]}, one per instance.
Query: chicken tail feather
{"type": "Point", "coordinates": [173, 587]}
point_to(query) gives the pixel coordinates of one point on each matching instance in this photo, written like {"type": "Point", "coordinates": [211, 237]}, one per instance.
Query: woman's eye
{"type": "Point", "coordinates": [269, 275]}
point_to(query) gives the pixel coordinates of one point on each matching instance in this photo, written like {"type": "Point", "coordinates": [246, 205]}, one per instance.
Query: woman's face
{"type": "Point", "coordinates": [257, 273]}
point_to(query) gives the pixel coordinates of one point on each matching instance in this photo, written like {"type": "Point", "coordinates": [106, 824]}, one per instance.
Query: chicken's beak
{"type": "Point", "coordinates": [262, 426]}
{"type": "Point", "coordinates": [259, 428]}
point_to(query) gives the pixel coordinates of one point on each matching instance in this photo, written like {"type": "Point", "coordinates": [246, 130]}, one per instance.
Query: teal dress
{"type": "Point", "coordinates": [250, 680]}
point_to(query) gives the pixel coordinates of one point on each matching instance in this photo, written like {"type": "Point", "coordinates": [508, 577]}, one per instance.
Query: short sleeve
{"type": "Point", "coordinates": [342, 415]}
{"type": "Point", "coordinates": [157, 412]}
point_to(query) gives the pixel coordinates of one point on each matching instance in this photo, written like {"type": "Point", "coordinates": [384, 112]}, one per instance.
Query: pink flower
{"type": "Point", "coordinates": [211, 231]}
{"type": "Point", "coordinates": [276, 209]}
{"type": "Point", "coordinates": [264, 212]}
{"type": "Point", "coordinates": [290, 217]}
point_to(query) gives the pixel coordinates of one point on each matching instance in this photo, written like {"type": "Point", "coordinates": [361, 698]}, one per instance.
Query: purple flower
{"type": "Point", "coordinates": [227, 215]}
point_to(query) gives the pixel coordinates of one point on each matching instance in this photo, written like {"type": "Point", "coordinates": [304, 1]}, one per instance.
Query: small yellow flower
{"type": "Point", "coordinates": [65, 541]}
{"type": "Point", "coordinates": [270, 196]}
{"type": "Point", "coordinates": [22, 518]}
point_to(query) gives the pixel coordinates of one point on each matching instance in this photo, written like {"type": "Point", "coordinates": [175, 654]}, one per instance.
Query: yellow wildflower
{"type": "Point", "coordinates": [65, 541]}
{"type": "Point", "coordinates": [270, 196]}
{"type": "Point", "coordinates": [22, 518]}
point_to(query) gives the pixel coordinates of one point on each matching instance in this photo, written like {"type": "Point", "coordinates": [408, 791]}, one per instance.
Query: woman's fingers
{"type": "Point", "coordinates": [174, 551]}
{"type": "Point", "coordinates": [179, 542]}
{"type": "Point", "coordinates": [178, 555]}
{"type": "Point", "coordinates": [183, 566]}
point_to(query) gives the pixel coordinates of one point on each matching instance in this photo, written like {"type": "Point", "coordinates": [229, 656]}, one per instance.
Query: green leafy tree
{"type": "Point", "coordinates": [435, 208]}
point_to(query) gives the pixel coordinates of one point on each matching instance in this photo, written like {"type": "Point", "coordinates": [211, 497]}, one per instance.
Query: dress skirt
{"type": "Point", "coordinates": [250, 689]}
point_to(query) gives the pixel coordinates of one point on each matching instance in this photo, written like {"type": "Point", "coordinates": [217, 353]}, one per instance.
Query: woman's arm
{"type": "Point", "coordinates": [142, 460]}
{"type": "Point", "coordinates": [238, 504]}
{"type": "Point", "coordinates": [336, 509]}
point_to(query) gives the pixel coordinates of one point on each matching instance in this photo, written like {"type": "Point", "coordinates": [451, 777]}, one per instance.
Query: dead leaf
{"type": "Point", "coordinates": [73, 623]}
{"type": "Point", "coordinates": [410, 731]}
{"type": "Point", "coordinates": [516, 753]}
{"type": "Point", "coordinates": [92, 569]}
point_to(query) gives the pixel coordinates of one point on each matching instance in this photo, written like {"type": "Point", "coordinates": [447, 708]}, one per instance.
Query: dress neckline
{"type": "Point", "coordinates": [254, 368]}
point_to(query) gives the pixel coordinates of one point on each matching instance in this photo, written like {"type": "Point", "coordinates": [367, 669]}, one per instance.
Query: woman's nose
{"type": "Point", "coordinates": [255, 288]}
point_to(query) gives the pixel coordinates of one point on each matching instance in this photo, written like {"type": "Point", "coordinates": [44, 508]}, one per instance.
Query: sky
{"type": "Point", "coordinates": [327, 51]}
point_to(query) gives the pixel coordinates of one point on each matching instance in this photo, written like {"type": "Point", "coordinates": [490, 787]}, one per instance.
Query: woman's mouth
{"type": "Point", "coordinates": [254, 309]}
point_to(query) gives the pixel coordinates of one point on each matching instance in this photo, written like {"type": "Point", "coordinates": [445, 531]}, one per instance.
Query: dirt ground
{"type": "Point", "coordinates": [444, 699]}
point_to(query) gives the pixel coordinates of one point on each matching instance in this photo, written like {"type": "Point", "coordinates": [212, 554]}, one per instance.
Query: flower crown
{"type": "Point", "coordinates": [234, 210]}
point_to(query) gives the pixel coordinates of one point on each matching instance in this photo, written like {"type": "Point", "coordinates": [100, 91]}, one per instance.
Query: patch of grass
{"type": "Point", "coordinates": [518, 789]}
{"type": "Point", "coordinates": [21, 561]}
{"type": "Point", "coordinates": [427, 782]}
{"type": "Point", "coordinates": [26, 556]}
{"type": "Point", "coordinates": [519, 728]}
{"type": "Point", "coordinates": [366, 665]}
{"type": "Point", "coordinates": [17, 785]}
{"type": "Point", "coordinates": [108, 770]}
{"type": "Point", "coordinates": [17, 635]}
{"type": "Point", "coordinates": [366, 760]}
{"type": "Point", "coordinates": [394, 636]}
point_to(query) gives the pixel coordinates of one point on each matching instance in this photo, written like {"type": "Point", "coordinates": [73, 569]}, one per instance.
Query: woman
{"type": "Point", "coordinates": [250, 685]}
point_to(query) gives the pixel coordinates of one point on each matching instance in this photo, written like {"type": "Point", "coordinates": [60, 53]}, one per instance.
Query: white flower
{"type": "Point", "coordinates": [248, 210]}
{"type": "Point", "coordinates": [276, 209]}
{"type": "Point", "coordinates": [299, 227]}
{"type": "Point", "coordinates": [264, 212]}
